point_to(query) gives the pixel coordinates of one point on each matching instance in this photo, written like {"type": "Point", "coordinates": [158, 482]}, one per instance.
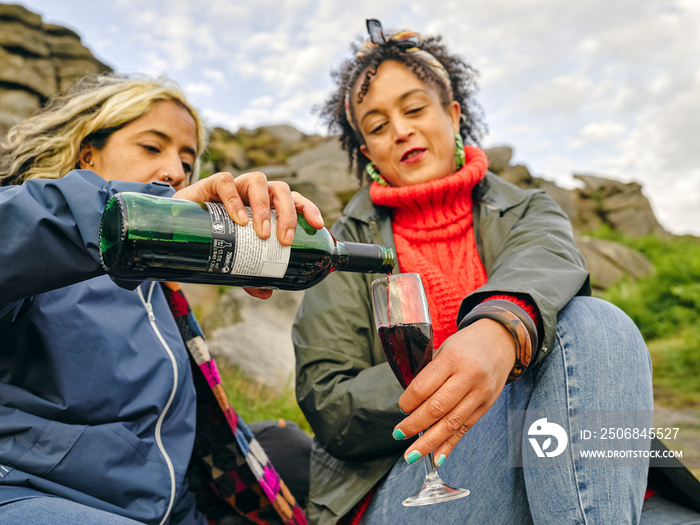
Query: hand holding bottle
{"type": "Point", "coordinates": [172, 239]}
{"type": "Point", "coordinates": [253, 189]}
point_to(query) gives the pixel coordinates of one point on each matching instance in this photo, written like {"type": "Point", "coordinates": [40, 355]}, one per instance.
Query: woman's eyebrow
{"type": "Point", "coordinates": [167, 138]}
{"type": "Point", "coordinates": [401, 99]}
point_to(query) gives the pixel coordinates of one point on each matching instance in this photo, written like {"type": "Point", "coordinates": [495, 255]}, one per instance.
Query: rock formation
{"type": "Point", "coordinates": [36, 61]}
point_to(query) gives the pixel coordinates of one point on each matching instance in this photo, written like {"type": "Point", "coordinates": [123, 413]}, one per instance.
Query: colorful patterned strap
{"type": "Point", "coordinates": [230, 476]}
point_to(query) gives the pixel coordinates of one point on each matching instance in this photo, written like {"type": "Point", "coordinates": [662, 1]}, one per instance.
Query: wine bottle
{"type": "Point", "coordinates": [146, 237]}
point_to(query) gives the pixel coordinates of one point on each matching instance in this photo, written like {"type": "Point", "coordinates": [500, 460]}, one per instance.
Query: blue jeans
{"type": "Point", "coordinates": [43, 509]}
{"type": "Point", "coordinates": [599, 363]}
{"type": "Point", "coordinates": [49, 510]}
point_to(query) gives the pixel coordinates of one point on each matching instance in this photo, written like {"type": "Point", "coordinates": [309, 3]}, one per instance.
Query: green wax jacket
{"type": "Point", "coordinates": [344, 384]}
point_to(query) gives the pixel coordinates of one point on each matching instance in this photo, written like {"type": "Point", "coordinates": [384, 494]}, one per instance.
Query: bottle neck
{"type": "Point", "coordinates": [364, 258]}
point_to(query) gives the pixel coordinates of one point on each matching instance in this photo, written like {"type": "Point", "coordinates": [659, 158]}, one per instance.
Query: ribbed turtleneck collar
{"type": "Point", "coordinates": [440, 207]}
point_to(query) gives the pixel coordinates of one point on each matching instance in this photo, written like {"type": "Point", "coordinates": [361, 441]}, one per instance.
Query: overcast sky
{"type": "Point", "coordinates": [602, 87]}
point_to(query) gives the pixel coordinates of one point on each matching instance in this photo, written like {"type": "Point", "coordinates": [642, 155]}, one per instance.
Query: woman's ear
{"type": "Point", "coordinates": [454, 111]}
{"type": "Point", "coordinates": [365, 152]}
{"type": "Point", "coordinates": [85, 157]}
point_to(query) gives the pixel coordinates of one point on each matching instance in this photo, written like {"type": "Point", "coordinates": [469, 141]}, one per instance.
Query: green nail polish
{"type": "Point", "coordinates": [398, 435]}
{"type": "Point", "coordinates": [440, 460]}
{"type": "Point", "coordinates": [412, 456]}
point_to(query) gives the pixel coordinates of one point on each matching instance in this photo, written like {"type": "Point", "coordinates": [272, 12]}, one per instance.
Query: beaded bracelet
{"type": "Point", "coordinates": [519, 324]}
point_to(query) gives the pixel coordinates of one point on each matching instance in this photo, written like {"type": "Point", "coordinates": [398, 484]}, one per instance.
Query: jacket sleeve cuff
{"type": "Point", "coordinates": [518, 322]}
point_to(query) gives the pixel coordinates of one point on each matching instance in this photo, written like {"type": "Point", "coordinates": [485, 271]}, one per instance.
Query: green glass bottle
{"type": "Point", "coordinates": [145, 237]}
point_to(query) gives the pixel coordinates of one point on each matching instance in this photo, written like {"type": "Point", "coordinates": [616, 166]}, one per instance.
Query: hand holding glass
{"type": "Point", "coordinates": [406, 333]}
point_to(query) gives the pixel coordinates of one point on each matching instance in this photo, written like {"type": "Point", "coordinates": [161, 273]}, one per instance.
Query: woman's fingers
{"type": "Point", "coordinates": [449, 361]}
{"type": "Point", "coordinates": [444, 449]}
{"type": "Point", "coordinates": [450, 394]}
{"type": "Point", "coordinates": [445, 415]}
{"type": "Point", "coordinates": [254, 190]}
{"type": "Point", "coordinates": [287, 204]}
{"type": "Point", "coordinates": [307, 208]}
{"type": "Point", "coordinates": [220, 187]}
{"type": "Point", "coordinates": [444, 435]}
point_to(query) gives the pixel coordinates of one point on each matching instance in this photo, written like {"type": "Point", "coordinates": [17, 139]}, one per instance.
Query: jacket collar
{"type": "Point", "coordinates": [498, 195]}
{"type": "Point", "coordinates": [492, 191]}
{"type": "Point", "coordinates": [363, 209]}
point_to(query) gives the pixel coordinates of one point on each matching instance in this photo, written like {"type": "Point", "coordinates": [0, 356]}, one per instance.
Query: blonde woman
{"type": "Point", "coordinates": [97, 406]}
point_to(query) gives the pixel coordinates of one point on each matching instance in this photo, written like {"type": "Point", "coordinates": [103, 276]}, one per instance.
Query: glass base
{"type": "Point", "coordinates": [434, 491]}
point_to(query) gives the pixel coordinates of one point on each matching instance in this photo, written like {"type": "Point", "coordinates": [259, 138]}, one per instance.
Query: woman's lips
{"type": "Point", "coordinates": [413, 155]}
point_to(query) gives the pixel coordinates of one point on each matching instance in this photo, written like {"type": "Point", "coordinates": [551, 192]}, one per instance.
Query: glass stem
{"type": "Point", "coordinates": [431, 474]}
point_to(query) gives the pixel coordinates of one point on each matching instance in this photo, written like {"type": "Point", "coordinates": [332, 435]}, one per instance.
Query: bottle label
{"type": "Point", "coordinates": [238, 250]}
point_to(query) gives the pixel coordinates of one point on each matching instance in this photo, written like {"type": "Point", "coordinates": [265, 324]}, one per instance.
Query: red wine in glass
{"type": "Point", "coordinates": [402, 316]}
{"type": "Point", "coordinates": [408, 347]}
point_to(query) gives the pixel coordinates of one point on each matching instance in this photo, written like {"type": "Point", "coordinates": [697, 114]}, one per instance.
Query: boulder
{"type": "Point", "coordinates": [325, 198]}
{"type": "Point", "coordinates": [224, 152]}
{"type": "Point", "coordinates": [608, 262]}
{"type": "Point", "coordinates": [518, 175]}
{"type": "Point", "coordinates": [328, 149]}
{"type": "Point", "coordinates": [285, 133]}
{"type": "Point", "coordinates": [326, 164]}
{"type": "Point", "coordinates": [23, 39]}
{"type": "Point", "coordinates": [621, 205]}
{"type": "Point", "coordinates": [70, 70]}
{"type": "Point", "coordinates": [19, 102]}
{"type": "Point", "coordinates": [19, 13]}
{"type": "Point", "coordinates": [15, 105]}
{"type": "Point", "coordinates": [37, 60]}
{"type": "Point", "coordinates": [258, 338]}
{"type": "Point", "coordinates": [331, 173]}
{"type": "Point", "coordinates": [499, 158]}
{"type": "Point", "coordinates": [275, 172]}
{"type": "Point", "coordinates": [37, 75]}
{"type": "Point", "coordinates": [67, 45]}
{"type": "Point", "coordinates": [586, 216]}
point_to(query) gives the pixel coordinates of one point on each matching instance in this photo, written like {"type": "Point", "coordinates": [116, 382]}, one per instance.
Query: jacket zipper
{"type": "Point", "coordinates": [161, 417]}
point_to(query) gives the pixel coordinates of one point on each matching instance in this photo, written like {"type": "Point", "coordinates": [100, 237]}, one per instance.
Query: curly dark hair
{"type": "Point", "coordinates": [464, 88]}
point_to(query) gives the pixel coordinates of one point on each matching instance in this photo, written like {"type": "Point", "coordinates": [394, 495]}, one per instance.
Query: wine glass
{"type": "Point", "coordinates": [406, 333]}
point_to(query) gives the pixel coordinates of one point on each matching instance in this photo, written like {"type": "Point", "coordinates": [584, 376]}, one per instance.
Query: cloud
{"type": "Point", "coordinates": [199, 89]}
{"type": "Point", "coordinates": [215, 75]}
{"type": "Point", "coordinates": [561, 94]}
{"type": "Point", "coordinates": [606, 130]}
{"type": "Point", "coordinates": [602, 87]}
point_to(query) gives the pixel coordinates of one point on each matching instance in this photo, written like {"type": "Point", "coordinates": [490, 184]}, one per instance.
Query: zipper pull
{"type": "Point", "coordinates": [151, 315]}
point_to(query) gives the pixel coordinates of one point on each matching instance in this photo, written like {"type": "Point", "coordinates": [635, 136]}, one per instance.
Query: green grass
{"type": "Point", "coordinates": [666, 308]}
{"type": "Point", "coordinates": [254, 402]}
{"type": "Point", "coordinates": [676, 371]}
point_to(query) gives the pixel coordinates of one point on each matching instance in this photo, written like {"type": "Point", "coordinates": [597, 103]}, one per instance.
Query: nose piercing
{"type": "Point", "coordinates": [166, 178]}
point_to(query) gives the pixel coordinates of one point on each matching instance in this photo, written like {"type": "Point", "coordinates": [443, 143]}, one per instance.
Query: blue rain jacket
{"type": "Point", "coordinates": [97, 403]}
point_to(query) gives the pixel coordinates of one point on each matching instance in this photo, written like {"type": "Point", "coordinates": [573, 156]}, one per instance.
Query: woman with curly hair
{"type": "Point", "coordinates": [515, 333]}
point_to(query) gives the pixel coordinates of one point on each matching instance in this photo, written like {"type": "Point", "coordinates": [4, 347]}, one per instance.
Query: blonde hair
{"type": "Point", "coordinates": [47, 145]}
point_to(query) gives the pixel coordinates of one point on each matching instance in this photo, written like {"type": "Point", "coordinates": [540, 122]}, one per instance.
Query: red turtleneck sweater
{"type": "Point", "coordinates": [434, 236]}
